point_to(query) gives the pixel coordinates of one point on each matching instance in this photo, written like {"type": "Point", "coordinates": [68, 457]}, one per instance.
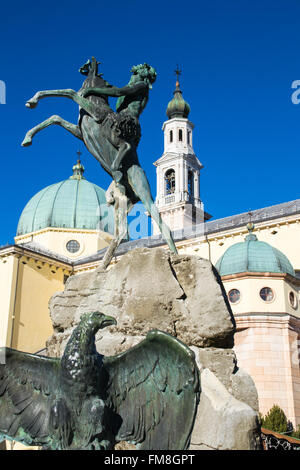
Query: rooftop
{"type": "Point", "coordinates": [208, 228]}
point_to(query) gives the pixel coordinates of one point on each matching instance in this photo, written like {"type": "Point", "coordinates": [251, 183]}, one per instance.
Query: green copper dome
{"type": "Point", "coordinates": [178, 107]}
{"type": "Point", "coordinates": [253, 255]}
{"type": "Point", "coordinates": [72, 203]}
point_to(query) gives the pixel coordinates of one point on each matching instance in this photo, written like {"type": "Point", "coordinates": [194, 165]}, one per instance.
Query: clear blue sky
{"type": "Point", "coordinates": [239, 59]}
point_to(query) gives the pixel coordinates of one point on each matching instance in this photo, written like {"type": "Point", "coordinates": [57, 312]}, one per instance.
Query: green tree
{"type": "Point", "coordinates": [296, 434]}
{"type": "Point", "coordinates": [275, 420]}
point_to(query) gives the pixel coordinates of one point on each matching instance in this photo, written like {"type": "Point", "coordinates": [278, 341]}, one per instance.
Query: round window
{"type": "Point", "coordinates": [266, 294]}
{"type": "Point", "coordinates": [234, 295]}
{"type": "Point", "coordinates": [292, 299]}
{"type": "Point", "coordinates": [73, 246]}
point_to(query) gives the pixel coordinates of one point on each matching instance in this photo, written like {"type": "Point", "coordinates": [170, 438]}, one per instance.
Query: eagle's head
{"type": "Point", "coordinates": [97, 320]}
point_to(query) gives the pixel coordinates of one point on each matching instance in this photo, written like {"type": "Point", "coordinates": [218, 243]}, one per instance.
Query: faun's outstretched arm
{"type": "Point", "coordinates": [115, 91]}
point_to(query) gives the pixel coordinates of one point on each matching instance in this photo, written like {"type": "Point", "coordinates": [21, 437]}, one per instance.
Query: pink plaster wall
{"type": "Point", "coordinates": [267, 348]}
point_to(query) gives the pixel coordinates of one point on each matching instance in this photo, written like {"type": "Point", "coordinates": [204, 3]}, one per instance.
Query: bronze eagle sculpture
{"type": "Point", "coordinates": [147, 395]}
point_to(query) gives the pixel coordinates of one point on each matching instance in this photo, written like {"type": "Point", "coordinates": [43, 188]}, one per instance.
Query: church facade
{"type": "Point", "coordinates": [65, 228]}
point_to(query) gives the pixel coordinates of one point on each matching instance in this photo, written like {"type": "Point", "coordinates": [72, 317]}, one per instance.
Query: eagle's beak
{"type": "Point", "coordinates": [108, 321]}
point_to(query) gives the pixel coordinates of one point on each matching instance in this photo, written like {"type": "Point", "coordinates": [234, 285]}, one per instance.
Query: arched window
{"type": "Point", "coordinates": [170, 181]}
{"type": "Point", "coordinates": [180, 135]}
{"type": "Point", "coordinates": [188, 137]}
{"type": "Point", "coordinates": [171, 136]}
{"type": "Point", "coordinates": [191, 183]}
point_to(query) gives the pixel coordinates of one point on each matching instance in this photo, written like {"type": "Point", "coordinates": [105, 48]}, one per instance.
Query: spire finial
{"type": "Point", "coordinates": [79, 155]}
{"type": "Point", "coordinates": [250, 225]}
{"type": "Point", "coordinates": [177, 72]}
{"type": "Point", "coordinates": [250, 228]}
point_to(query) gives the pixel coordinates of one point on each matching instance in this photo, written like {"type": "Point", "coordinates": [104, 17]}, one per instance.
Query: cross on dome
{"type": "Point", "coordinates": [177, 72]}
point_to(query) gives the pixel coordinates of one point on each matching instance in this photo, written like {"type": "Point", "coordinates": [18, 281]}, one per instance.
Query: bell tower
{"type": "Point", "coordinates": [178, 169]}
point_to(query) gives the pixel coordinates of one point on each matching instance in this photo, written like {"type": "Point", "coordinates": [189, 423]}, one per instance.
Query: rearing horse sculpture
{"type": "Point", "coordinates": [112, 137]}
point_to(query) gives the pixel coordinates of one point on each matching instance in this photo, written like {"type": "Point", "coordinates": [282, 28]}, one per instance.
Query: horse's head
{"type": "Point", "coordinates": [90, 67]}
{"type": "Point", "coordinates": [93, 78]}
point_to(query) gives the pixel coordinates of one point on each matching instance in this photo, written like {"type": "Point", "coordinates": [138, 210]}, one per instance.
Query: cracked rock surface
{"type": "Point", "coordinates": [148, 288]}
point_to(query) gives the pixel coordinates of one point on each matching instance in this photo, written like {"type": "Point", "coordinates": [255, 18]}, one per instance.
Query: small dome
{"type": "Point", "coordinates": [253, 255]}
{"type": "Point", "coordinates": [178, 107]}
{"type": "Point", "coordinates": [72, 203]}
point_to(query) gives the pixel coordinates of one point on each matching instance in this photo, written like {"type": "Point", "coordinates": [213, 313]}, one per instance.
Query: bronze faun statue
{"type": "Point", "coordinates": [147, 395]}
{"type": "Point", "coordinates": [112, 137]}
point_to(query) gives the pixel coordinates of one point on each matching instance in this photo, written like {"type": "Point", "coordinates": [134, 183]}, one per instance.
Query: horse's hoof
{"type": "Point", "coordinates": [117, 175]}
{"type": "Point", "coordinates": [31, 104]}
{"type": "Point", "coordinates": [26, 142]}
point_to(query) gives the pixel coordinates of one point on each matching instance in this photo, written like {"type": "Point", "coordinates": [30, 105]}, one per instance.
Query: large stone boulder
{"type": "Point", "coordinates": [149, 288]}
{"type": "Point", "coordinates": [224, 423]}
{"type": "Point", "coordinates": [184, 296]}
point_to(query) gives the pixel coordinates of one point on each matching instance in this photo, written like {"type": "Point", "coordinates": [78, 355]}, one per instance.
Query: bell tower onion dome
{"type": "Point", "coordinates": [178, 107]}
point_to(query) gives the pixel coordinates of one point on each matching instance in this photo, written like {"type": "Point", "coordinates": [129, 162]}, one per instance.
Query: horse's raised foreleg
{"type": "Point", "coordinates": [84, 103]}
{"type": "Point", "coordinates": [48, 122]}
{"type": "Point", "coordinates": [66, 93]}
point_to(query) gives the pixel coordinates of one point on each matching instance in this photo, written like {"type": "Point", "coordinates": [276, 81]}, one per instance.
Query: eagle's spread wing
{"type": "Point", "coordinates": [27, 385]}
{"type": "Point", "coordinates": [154, 388]}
